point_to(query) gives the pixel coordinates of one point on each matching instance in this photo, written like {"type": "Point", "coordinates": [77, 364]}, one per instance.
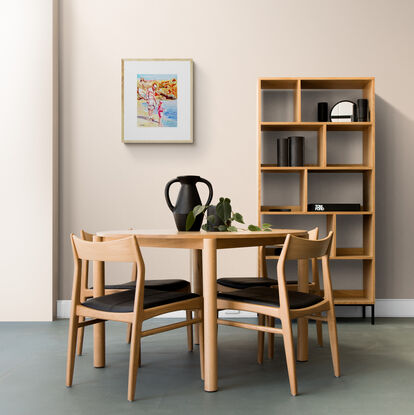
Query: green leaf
{"type": "Point", "coordinates": [190, 221]}
{"type": "Point", "coordinates": [267, 229]}
{"type": "Point", "coordinates": [204, 227]}
{"type": "Point", "coordinates": [222, 228]}
{"type": "Point", "coordinates": [220, 211]}
{"type": "Point", "coordinates": [227, 210]}
{"type": "Point", "coordinates": [223, 209]}
{"type": "Point", "coordinates": [253, 228]}
{"type": "Point", "coordinates": [232, 229]}
{"type": "Point", "coordinates": [238, 218]}
{"type": "Point", "coordinates": [211, 219]}
{"type": "Point", "coordinates": [199, 209]}
{"type": "Point", "coordinates": [266, 225]}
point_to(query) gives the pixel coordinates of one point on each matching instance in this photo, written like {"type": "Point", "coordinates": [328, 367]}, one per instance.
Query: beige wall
{"type": "Point", "coordinates": [109, 185]}
{"type": "Point", "coordinates": [27, 162]}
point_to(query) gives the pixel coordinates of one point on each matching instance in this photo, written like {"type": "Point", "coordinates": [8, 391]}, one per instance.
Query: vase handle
{"type": "Point", "coordinates": [167, 193]}
{"type": "Point", "coordinates": [210, 189]}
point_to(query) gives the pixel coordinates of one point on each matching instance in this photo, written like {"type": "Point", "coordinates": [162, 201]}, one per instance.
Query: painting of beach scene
{"type": "Point", "coordinates": [157, 100]}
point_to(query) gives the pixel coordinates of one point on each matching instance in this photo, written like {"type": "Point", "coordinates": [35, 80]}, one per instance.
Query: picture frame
{"type": "Point", "coordinates": [157, 101]}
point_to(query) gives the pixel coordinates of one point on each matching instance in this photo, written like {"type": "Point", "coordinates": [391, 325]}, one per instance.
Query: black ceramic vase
{"type": "Point", "coordinates": [187, 199]}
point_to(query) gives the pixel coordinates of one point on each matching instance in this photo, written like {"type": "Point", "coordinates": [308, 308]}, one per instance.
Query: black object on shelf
{"type": "Point", "coordinates": [334, 207]}
{"type": "Point", "coordinates": [282, 152]}
{"type": "Point", "coordinates": [279, 210]}
{"type": "Point", "coordinates": [362, 110]}
{"type": "Point", "coordinates": [296, 150]}
{"type": "Point", "coordinates": [323, 115]}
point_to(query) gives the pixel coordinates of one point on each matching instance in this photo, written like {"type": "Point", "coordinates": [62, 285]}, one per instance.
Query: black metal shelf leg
{"type": "Point", "coordinates": [363, 311]}
{"type": "Point", "coordinates": [373, 314]}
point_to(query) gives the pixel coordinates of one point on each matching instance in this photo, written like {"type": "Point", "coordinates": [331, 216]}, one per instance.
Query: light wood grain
{"type": "Point", "coordinates": [302, 250]}
{"type": "Point", "coordinates": [121, 250]}
{"type": "Point", "coordinates": [210, 314]}
{"type": "Point", "coordinates": [366, 85]}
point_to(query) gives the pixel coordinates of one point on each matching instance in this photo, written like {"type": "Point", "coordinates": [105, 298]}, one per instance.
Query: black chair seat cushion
{"type": "Point", "coordinates": [123, 302]}
{"type": "Point", "coordinates": [162, 285]}
{"type": "Point", "coordinates": [270, 297]}
{"type": "Point", "coordinates": [240, 283]}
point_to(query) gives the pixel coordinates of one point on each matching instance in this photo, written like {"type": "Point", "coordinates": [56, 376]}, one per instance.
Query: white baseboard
{"type": "Point", "coordinates": [383, 308]}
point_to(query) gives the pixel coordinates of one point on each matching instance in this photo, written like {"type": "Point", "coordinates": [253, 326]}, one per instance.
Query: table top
{"type": "Point", "coordinates": [194, 240]}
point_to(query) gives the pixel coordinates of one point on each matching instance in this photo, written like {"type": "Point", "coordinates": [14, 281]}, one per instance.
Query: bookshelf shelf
{"type": "Point", "coordinates": [267, 129]}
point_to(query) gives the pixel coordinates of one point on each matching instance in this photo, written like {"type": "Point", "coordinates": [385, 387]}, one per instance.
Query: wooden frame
{"type": "Point", "coordinates": [184, 116]}
{"type": "Point", "coordinates": [294, 249]}
{"type": "Point", "coordinates": [366, 253]}
{"type": "Point", "coordinates": [120, 250]}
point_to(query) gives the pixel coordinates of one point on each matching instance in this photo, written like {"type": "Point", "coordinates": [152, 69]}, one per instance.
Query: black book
{"type": "Point", "coordinates": [334, 207]}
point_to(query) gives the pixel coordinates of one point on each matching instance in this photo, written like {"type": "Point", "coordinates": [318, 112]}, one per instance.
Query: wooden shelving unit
{"type": "Point", "coordinates": [294, 88]}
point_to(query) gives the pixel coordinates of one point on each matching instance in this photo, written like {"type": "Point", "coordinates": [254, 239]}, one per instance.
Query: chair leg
{"type": "Point", "coordinates": [333, 339]}
{"type": "Point", "coordinates": [319, 332]}
{"type": "Point", "coordinates": [128, 333]}
{"type": "Point", "coordinates": [201, 346]}
{"type": "Point", "coordinates": [189, 316]}
{"type": "Point", "coordinates": [290, 354]}
{"type": "Point", "coordinates": [81, 330]}
{"type": "Point", "coordinates": [134, 357]}
{"type": "Point", "coordinates": [70, 362]}
{"type": "Point", "coordinates": [260, 339]}
{"type": "Point", "coordinates": [270, 338]}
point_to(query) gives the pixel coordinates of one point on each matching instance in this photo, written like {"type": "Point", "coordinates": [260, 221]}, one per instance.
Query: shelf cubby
{"type": "Point", "coordinates": [340, 168]}
{"type": "Point", "coordinates": [314, 145]}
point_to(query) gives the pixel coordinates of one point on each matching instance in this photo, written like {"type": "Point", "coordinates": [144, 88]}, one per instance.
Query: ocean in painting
{"type": "Point", "coordinates": [156, 100]}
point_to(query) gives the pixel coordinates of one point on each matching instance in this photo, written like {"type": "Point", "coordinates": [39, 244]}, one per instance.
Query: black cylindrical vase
{"type": "Point", "coordinates": [296, 150]}
{"type": "Point", "coordinates": [282, 152]}
{"type": "Point", "coordinates": [362, 110]}
{"type": "Point", "coordinates": [323, 112]}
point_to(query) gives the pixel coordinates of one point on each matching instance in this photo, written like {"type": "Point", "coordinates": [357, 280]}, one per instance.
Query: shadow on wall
{"type": "Point", "coordinates": [394, 196]}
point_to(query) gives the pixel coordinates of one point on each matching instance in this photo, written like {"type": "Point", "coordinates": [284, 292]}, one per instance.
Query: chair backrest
{"type": "Point", "coordinates": [296, 248]}
{"type": "Point", "coordinates": [120, 250]}
{"type": "Point", "coordinates": [312, 235]}
{"type": "Point", "coordinates": [86, 236]}
{"type": "Point", "coordinates": [301, 248]}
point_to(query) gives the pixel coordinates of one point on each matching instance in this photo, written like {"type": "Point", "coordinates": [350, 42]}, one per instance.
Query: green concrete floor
{"type": "Point", "coordinates": [377, 367]}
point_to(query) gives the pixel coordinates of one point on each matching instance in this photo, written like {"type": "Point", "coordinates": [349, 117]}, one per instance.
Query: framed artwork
{"type": "Point", "coordinates": [157, 100]}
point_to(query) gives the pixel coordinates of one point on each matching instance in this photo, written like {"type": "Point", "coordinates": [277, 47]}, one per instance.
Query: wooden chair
{"type": "Point", "coordinates": [228, 284]}
{"type": "Point", "coordinates": [177, 285]}
{"type": "Point", "coordinates": [129, 306]}
{"type": "Point", "coordinates": [286, 305]}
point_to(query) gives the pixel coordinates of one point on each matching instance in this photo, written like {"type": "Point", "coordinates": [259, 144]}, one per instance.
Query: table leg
{"type": "Point", "coordinates": [99, 328]}
{"type": "Point", "coordinates": [210, 313]}
{"type": "Point", "coordinates": [303, 286]}
{"type": "Point", "coordinates": [197, 281]}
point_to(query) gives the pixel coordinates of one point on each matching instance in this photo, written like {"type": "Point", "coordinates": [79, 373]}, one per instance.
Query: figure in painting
{"type": "Point", "coordinates": [160, 111]}
{"type": "Point", "coordinates": [151, 100]}
{"type": "Point", "coordinates": [157, 100]}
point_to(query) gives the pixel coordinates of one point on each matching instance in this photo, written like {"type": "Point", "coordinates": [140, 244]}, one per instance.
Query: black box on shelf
{"type": "Point", "coordinates": [334, 207]}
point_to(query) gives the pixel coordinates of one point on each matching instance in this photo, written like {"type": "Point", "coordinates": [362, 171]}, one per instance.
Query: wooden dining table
{"type": "Point", "coordinates": [204, 246]}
